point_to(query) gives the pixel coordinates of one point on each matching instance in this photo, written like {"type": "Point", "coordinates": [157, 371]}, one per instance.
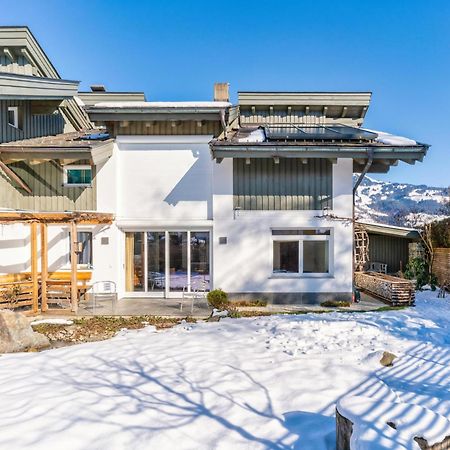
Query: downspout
{"type": "Point", "coordinates": [370, 154]}
{"type": "Point", "coordinates": [369, 162]}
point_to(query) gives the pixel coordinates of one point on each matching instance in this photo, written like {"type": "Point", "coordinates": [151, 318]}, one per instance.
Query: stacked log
{"type": "Point", "coordinates": [393, 290]}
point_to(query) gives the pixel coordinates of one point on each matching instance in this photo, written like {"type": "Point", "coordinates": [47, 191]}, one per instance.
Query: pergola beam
{"type": "Point", "coordinates": [79, 217]}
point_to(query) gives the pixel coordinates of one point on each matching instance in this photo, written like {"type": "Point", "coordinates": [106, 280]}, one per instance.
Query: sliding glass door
{"type": "Point", "coordinates": [156, 261]}
{"type": "Point", "coordinates": [178, 261]}
{"type": "Point", "coordinates": [166, 263]}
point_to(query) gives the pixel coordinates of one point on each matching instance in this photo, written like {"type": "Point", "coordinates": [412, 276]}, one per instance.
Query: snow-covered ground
{"type": "Point", "coordinates": [268, 382]}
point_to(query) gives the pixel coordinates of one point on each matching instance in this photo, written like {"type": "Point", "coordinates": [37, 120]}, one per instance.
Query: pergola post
{"type": "Point", "coordinates": [73, 267]}
{"type": "Point", "coordinates": [34, 268]}
{"type": "Point", "coordinates": [44, 266]}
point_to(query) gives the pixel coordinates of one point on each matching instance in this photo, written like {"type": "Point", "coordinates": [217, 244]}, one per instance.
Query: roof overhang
{"type": "Point", "coordinates": [390, 230]}
{"type": "Point", "coordinates": [157, 111]}
{"type": "Point", "coordinates": [92, 98]}
{"type": "Point", "coordinates": [26, 87]}
{"type": "Point", "coordinates": [304, 98]}
{"type": "Point", "coordinates": [384, 156]}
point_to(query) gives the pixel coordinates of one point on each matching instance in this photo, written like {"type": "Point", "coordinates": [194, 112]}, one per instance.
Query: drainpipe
{"type": "Point", "coordinates": [364, 172]}
{"type": "Point", "coordinates": [369, 162]}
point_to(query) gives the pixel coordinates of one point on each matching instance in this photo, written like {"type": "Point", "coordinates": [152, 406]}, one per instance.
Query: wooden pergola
{"type": "Point", "coordinates": [42, 220]}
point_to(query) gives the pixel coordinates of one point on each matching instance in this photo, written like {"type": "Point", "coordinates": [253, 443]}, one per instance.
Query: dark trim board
{"type": "Point", "coordinates": [292, 298]}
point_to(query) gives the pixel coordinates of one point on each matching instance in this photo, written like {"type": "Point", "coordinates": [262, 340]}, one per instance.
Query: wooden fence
{"type": "Point", "coordinates": [441, 265]}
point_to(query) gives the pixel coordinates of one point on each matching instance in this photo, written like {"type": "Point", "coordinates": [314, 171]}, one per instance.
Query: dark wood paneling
{"type": "Point", "coordinates": [389, 250]}
{"type": "Point", "coordinates": [30, 125]}
{"type": "Point", "coordinates": [289, 185]}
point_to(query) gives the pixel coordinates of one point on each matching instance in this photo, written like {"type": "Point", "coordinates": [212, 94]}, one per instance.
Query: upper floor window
{"type": "Point", "coordinates": [265, 184]}
{"type": "Point", "coordinates": [13, 116]}
{"type": "Point", "coordinates": [78, 175]}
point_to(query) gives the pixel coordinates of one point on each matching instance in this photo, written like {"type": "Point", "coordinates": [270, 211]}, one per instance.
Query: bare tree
{"type": "Point", "coordinates": [427, 239]}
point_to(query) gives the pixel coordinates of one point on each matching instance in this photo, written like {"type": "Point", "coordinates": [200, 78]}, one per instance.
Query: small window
{"type": "Point", "coordinates": [78, 175]}
{"type": "Point", "coordinates": [13, 116]}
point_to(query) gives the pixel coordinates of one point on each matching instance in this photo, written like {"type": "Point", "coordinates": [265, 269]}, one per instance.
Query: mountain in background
{"type": "Point", "coordinates": [400, 204]}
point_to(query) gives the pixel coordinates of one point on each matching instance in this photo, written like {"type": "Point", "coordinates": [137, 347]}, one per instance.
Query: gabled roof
{"type": "Point", "coordinates": [19, 41]}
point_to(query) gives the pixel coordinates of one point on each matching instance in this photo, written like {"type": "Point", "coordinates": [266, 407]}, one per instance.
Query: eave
{"type": "Point", "coordinates": [26, 87]}
{"type": "Point", "coordinates": [384, 156]}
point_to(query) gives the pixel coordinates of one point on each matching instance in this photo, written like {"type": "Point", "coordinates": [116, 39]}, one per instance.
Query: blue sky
{"type": "Point", "coordinates": [176, 50]}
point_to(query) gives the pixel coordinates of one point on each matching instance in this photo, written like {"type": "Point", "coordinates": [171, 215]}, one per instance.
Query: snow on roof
{"type": "Point", "coordinates": [257, 135]}
{"type": "Point", "coordinates": [162, 105]}
{"type": "Point", "coordinates": [380, 424]}
{"type": "Point", "coordinates": [394, 227]}
{"type": "Point", "coordinates": [391, 139]}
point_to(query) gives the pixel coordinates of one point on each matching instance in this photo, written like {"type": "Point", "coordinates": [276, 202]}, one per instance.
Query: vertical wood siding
{"type": "Point", "coordinates": [31, 125]}
{"type": "Point", "coordinates": [289, 185]}
{"type": "Point", "coordinates": [49, 194]}
{"type": "Point", "coordinates": [389, 250]}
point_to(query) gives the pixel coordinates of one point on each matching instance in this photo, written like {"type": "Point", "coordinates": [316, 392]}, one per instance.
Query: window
{"type": "Point", "coordinates": [78, 175]}
{"type": "Point", "coordinates": [13, 116]}
{"type": "Point", "coordinates": [285, 256]}
{"type": "Point", "coordinates": [302, 251]}
{"type": "Point", "coordinates": [83, 248]}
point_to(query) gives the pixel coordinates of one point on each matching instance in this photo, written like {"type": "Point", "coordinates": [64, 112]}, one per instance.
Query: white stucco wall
{"type": "Point", "coordinates": [151, 182]}
{"type": "Point", "coordinates": [245, 264]}
{"type": "Point", "coordinates": [164, 178]}
{"type": "Point", "coordinates": [171, 182]}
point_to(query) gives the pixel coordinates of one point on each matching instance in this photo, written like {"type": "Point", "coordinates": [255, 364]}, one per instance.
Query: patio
{"type": "Point", "coordinates": [171, 307]}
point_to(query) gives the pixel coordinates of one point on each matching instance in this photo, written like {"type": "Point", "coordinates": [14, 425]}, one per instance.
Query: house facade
{"type": "Point", "coordinates": [255, 197]}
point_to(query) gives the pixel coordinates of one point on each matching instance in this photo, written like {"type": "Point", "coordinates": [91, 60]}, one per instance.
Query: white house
{"type": "Point", "coordinates": [256, 199]}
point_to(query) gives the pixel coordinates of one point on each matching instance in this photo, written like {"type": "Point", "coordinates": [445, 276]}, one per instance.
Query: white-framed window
{"type": "Point", "coordinates": [13, 116]}
{"type": "Point", "coordinates": [302, 252]}
{"type": "Point", "coordinates": [80, 175]}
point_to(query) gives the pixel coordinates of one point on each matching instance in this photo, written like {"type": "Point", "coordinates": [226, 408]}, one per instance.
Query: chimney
{"type": "Point", "coordinates": [98, 88]}
{"type": "Point", "coordinates": [221, 92]}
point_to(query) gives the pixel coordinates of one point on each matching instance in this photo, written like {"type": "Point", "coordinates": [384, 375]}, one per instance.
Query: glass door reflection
{"type": "Point", "coordinates": [200, 260]}
{"type": "Point", "coordinates": [178, 261]}
{"type": "Point", "coordinates": [156, 261]}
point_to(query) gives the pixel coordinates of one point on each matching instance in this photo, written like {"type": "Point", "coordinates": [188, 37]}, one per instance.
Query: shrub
{"type": "Point", "coordinates": [249, 303]}
{"type": "Point", "coordinates": [335, 304]}
{"type": "Point", "coordinates": [218, 299]}
{"type": "Point", "coordinates": [417, 269]}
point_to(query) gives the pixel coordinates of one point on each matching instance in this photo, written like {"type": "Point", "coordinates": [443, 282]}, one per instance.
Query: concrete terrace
{"type": "Point", "coordinates": [171, 307]}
